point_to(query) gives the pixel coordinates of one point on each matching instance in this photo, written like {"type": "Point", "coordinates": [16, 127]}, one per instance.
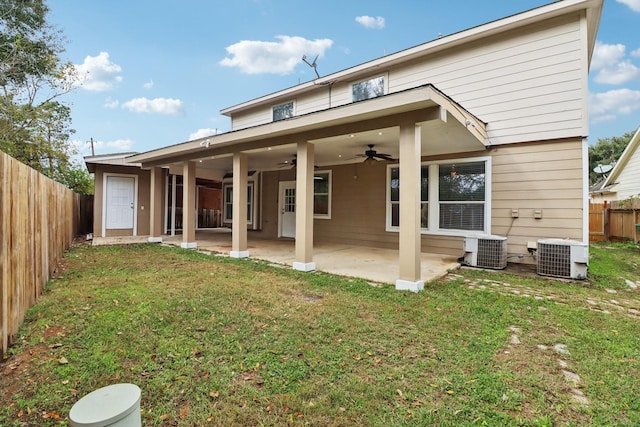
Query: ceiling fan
{"type": "Point", "coordinates": [291, 163]}
{"type": "Point", "coordinates": [371, 155]}
{"type": "Point", "coordinates": [287, 163]}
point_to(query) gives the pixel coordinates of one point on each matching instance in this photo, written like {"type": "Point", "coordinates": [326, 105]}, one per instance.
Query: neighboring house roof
{"type": "Point", "coordinates": [627, 154]}
{"type": "Point", "coordinates": [600, 188]}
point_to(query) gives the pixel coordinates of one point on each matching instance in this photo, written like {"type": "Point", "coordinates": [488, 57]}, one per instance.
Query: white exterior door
{"type": "Point", "coordinates": [120, 202]}
{"type": "Point", "coordinates": [288, 209]}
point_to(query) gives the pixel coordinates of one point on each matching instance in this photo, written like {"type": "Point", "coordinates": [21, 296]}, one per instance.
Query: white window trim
{"type": "Point", "coordinates": [328, 215]}
{"type": "Point", "coordinates": [385, 76]}
{"type": "Point", "coordinates": [434, 203]}
{"type": "Point", "coordinates": [281, 104]}
{"type": "Point", "coordinates": [104, 200]}
{"type": "Point", "coordinates": [226, 185]}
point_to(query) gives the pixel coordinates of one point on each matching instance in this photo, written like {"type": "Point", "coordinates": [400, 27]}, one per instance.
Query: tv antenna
{"type": "Point", "coordinates": [313, 64]}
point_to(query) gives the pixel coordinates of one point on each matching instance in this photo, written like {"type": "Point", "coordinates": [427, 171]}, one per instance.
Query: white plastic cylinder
{"type": "Point", "coordinates": [116, 405]}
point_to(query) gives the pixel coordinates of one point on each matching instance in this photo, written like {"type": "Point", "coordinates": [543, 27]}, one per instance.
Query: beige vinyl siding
{"type": "Point", "coordinates": [526, 84]}
{"type": "Point", "coordinates": [543, 176]}
{"type": "Point", "coordinates": [629, 178]}
{"type": "Point", "coordinates": [528, 177]}
{"type": "Point", "coordinates": [320, 99]}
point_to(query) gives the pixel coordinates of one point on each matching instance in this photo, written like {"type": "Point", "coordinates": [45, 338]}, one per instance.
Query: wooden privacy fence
{"type": "Point", "coordinates": [38, 221]}
{"type": "Point", "coordinates": [614, 221]}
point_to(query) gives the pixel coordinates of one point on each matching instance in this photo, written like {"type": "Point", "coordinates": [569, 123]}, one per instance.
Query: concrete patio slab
{"type": "Point", "coordinates": [373, 264]}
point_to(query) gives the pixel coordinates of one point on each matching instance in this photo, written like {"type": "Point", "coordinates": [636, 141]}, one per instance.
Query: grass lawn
{"type": "Point", "coordinates": [216, 341]}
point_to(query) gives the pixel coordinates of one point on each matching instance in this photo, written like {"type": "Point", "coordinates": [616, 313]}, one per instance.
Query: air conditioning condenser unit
{"type": "Point", "coordinates": [485, 251]}
{"type": "Point", "coordinates": [563, 258]}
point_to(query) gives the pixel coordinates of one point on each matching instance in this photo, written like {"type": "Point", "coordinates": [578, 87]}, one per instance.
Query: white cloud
{"type": "Point", "coordinates": [257, 57]}
{"type": "Point", "coordinates": [636, 53]}
{"type": "Point", "coordinates": [606, 106]}
{"type": "Point", "coordinates": [148, 85]}
{"type": "Point", "coordinates": [623, 72]}
{"type": "Point", "coordinates": [119, 144]}
{"type": "Point", "coordinates": [606, 55]}
{"type": "Point", "coordinates": [156, 105]}
{"type": "Point", "coordinates": [98, 73]}
{"type": "Point", "coordinates": [111, 103]}
{"type": "Point", "coordinates": [376, 23]}
{"type": "Point", "coordinates": [633, 4]}
{"type": "Point", "coordinates": [611, 66]}
{"type": "Point", "coordinates": [201, 133]}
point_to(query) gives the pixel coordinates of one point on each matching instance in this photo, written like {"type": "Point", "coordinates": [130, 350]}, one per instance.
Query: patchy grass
{"type": "Point", "coordinates": [217, 341]}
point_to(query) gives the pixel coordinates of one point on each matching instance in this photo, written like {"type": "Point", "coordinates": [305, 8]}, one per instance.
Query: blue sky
{"type": "Point", "coordinates": [158, 72]}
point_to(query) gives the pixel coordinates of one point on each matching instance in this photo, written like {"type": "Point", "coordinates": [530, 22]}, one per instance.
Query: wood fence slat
{"type": "Point", "coordinates": [4, 244]}
{"type": "Point", "coordinates": [615, 221]}
{"type": "Point", "coordinates": [38, 221]}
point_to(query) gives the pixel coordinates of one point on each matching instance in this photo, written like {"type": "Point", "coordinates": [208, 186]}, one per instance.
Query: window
{"type": "Point", "coordinates": [457, 192]}
{"type": "Point", "coordinates": [322, 195]}
{"type": "Point", "coordinates": [228, 203]}
{"type": "Point", "coordinates": [394, 192]}
{"type": "Point", "coordinates": [461, 192]}
{"type": "Point", "coordinates": [283, 111]}
{"type": "Point", "coordinates": [367, 89]}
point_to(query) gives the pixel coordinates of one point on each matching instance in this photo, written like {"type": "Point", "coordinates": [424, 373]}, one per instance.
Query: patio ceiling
{"type": "Point", "coordinates": [438, 138]}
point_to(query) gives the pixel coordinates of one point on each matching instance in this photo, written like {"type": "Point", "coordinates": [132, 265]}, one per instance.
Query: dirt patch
{"type": "Point", "coordinates": [15, 371]}
{"type": "Point", "coordinates": [52, 332]}
{"type": "Point", "coordinates": [298, 295]}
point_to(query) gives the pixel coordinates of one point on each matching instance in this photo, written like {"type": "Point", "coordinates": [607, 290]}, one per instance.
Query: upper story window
{"type": "Point", "coordinates": [283, 111]}
{"type": "Point", "coordinates": [367, 89]}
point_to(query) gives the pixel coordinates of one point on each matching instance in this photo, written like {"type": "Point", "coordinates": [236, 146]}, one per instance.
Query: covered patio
{"type": "Point", "coordinates": [373, 264]}
{"type": "Point", "coordinates": [407, 125]}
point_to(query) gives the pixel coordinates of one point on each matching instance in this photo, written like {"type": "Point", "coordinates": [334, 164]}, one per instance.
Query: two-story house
{"type": "Point", "coordinates": [479, 132]}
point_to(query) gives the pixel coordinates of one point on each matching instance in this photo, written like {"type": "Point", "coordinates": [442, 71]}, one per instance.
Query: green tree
{"type": "Point", "coordinates": [34, 126]}
{"type": "Point", "coordinates": [606, 151]}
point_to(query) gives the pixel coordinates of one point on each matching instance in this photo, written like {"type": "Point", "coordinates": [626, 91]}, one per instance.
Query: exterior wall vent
{"type": "Point", "coordinates": [485, 251]}
{"type": "Point", "coordinates": [563, 258]}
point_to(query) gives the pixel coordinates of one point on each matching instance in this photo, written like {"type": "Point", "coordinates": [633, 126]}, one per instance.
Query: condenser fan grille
{"type": "Point", "coordinates": [492, 253]}
{"type": "Point", "coordinates": [554, 260]}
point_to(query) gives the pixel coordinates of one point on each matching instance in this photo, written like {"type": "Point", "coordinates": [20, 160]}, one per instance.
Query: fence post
{"type": "Point", "coordinates": [634, 221]}
{"type": "Point", "coordinates": [605, 220]}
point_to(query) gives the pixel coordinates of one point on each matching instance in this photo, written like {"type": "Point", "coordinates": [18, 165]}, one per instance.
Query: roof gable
{"type": "Point", "coordinates": [627, 154]}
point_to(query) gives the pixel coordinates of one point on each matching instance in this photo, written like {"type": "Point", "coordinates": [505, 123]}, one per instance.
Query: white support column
{"type": "Point", "coordinates": [155, 215]}
{"type": "Point", "coordinates": [409, 245]}
{"type": "Point", "coordinates": [189, 206]}
{"type": "Point", "coordinates": [239, 247]}
{"type": "Point", "coordinates": [304, 207]}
